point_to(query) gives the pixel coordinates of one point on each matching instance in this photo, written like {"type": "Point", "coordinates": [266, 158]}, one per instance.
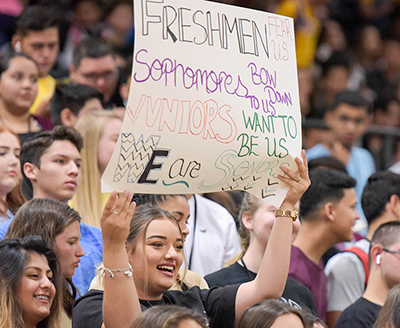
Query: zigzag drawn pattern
{"type": "Point", "coordinates": [134, 156]}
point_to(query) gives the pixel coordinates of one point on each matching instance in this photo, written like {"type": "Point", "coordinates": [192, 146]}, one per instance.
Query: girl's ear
{"type": "Point", "coordinates": [247, 220]}
{"type": "Point", "coordinates": [128, 247]}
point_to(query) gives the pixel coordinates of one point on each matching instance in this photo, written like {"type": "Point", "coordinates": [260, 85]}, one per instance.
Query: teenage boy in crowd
{"type": "Point", "coordinates": [50, 165]}
{"type": "Point", "coordinates": [347, 272]}
{"type": "Point", "coordinates": [327, 214]}
{"type": "Point", "coordinates": [348, 120]}
{"type": "Point", "coordinates": [73, 100]}
{"type": "Point", "coordinates": [385, 274]}
{"type": "Point", "coordinates": [37, 35]}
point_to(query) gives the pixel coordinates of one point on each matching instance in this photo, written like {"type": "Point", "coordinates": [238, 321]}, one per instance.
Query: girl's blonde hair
{"type": "Point", "coordinates": [250, 205]}
{"type": "Point", "coordinates": [87, 199]}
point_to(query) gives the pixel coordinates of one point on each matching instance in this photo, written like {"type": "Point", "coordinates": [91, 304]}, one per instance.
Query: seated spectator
{"type": "Point", "coordinates": [95, 65]}
{"type": "Point", "coordinates": [37, 36]}
{"type": "Point", "coordinates": [100, 131]}
{"type": "Point", "coordinates": [18, 89]}
{"type": "Point", "coordinates": [347, 272]}
{"type": "Point", "coordinates": [170, 316]}
{"type": "Point", "coordinates": [71, 101]}
{"type": "Point", "coordinates": [58, 225]}
{"type": "Point", "coordinates": [149, 248]}
{"type": "Point", "coordinates": [348, 120]}
{"type": "Point", "coordinates": [389, 315]}
{"type": "Point", "coordinates": [271, 314]}
{"type": "Point", "coordinates": [11, 197]}
{"type": "Point", "coordinates": [29, 284]}
{"type": "Point", "coordinates": [256, 221]}
{"type": "Point", "coordinates": [384, 275]}
{"type": "Point", "coordinates": [176, 205]}
{"type": "Point", "coordinates": [327, 211]}
{"type": "Point", "coordinates": [51, 168]}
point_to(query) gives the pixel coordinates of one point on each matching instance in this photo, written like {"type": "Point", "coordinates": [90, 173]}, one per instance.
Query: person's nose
{"type": "Point", "coordinates": [74, 169]}
{"type": "Point", "coordinates": [27, 83]}
{"type": "Point", "coordinates": [46, 51]}
{"type": "Point", "coordinates": [79, 251]}
{"type": "Point", "coordinates": [45, 283]}
{"type": "Point", "coordinates": [171, 253]}
{"type": "Point", "coordinates": [13, 160]}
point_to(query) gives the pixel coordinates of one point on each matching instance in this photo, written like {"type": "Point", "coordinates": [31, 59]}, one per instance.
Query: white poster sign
{"type": "Point", "coordinates": [213, 104]}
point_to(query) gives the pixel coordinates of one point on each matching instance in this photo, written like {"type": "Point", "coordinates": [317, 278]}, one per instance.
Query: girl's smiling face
{"type": "Point", "coordinates": [156, 259]}
{"type": "Point", "coordinates": [36, 291]}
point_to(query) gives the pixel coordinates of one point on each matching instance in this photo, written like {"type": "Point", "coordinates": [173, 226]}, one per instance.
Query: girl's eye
{"type": "Point", "coordinates": [179, 247]}
{"type": "Point", "coordinates": [17, 76]}
{"type": "Point", "coordinates": [158, 245]}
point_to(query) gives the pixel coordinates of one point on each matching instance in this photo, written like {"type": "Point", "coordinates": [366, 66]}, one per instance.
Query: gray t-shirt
{"type": "Point", "coordinates": [346, 278]}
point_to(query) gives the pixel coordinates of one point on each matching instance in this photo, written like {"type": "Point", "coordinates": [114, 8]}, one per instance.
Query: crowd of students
{"type": "Point", "coordinates": [71, 256]}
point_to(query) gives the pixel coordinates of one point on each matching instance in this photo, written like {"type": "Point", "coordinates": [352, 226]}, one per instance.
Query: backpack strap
{"type": "Point", "coordinates": [364, 259]}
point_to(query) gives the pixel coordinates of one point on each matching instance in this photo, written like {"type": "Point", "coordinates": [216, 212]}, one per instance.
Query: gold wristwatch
{"type": "Point", "coordinates": [288, 213]}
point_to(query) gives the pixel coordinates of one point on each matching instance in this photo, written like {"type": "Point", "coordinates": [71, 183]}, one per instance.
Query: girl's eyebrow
{"type": "Point", "coordinates": [162, 237]}
{"type": "Point", "coordinates": [157, 236]}
{"type": "Point", "coordinates": [37, 268]}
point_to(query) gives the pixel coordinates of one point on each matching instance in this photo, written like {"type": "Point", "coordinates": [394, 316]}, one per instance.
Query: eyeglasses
{"type": "Point", "coordinates": [94, 77]}
{"type": "Point", "coordinates": [390, 251]}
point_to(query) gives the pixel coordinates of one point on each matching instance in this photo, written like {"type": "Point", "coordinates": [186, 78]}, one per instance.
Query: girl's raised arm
{"type": "Point", "coordinates": [121, 303]}
{"type": "Point", "coordinates": [272, 275]}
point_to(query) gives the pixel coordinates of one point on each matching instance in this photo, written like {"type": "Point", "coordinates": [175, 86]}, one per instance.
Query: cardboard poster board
{"type": "Point", "coordinates": [213, 104]}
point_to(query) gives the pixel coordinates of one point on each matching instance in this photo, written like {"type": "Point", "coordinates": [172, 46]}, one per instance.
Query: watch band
{"type": "Point", "coordinates": [287, 213]}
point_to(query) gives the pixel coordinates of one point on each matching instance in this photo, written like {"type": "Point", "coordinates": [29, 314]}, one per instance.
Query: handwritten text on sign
{"type": "Point", "coordinates": [214, 101]}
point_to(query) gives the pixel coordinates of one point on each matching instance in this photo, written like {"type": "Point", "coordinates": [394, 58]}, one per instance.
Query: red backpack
{"type": "Point", "coordinates": [364, 259]}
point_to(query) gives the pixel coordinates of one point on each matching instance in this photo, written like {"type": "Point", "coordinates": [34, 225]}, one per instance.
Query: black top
{"type": "Point", "coordinates": [361, 314]}
{"type": "Point", "coordinates": [295, 293]}
{"type": "Point", "coordinates": [217, 303]}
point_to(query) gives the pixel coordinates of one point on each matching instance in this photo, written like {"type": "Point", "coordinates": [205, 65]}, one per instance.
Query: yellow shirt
{"type": "Point", "coordinates": [307, 29]}
{"type": "Point", "coordinates": [46, 87]}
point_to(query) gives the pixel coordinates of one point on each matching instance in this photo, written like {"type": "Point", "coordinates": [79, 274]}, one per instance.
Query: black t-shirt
{"type": "Point", "coordinates": [218, 304]}
{"type": "Point", "coordinates": [295, 293]}
{"type": "Point", "coordinates": [361, 314]}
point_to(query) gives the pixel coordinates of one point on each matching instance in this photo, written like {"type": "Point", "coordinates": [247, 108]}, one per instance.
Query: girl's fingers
{"type": "Point", "coordinates": [291, 175]}
{"type": "Point", "coordinates": [304, 156]}
{"type": "Point", "coordinates": [110, 204]}
{"type": "Point", "coordinates": [122, 203]}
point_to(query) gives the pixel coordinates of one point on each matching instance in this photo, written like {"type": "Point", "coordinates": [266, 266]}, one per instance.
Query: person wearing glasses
{"type": "Point", "coordinates": [94, 64]}
{"type": "Point", "coordinates": [385, 274]}
{"type": "Point", "coordinates": [347, 272]}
